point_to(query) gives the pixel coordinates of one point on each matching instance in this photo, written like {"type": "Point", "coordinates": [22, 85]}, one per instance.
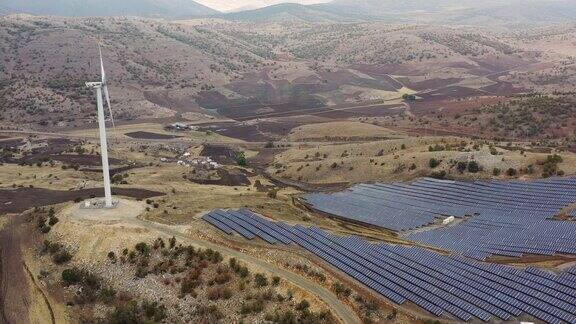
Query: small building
{"type": "Point", "coordinates": [448, 220]}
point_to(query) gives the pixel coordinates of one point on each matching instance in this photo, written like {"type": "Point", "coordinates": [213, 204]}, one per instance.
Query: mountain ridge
{"type": "Point", "coordinates": [84, 8]}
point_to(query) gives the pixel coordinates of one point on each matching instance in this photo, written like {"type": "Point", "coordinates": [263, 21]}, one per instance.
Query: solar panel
{"type": "Point", "coordinates": [440, 284]}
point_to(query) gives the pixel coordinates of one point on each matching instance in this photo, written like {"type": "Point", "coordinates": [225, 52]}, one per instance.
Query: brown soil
{"type": "Point", "coordinates": [232, 179]}
{"type": "Point", "coordinates": [548, 261]}
{"type": "Point", "coordinates": [452, 107]}
{"type": "Point", "coordinates": [21, 199]}
{"type": "Point", "coordinates": [249, 133]}
{"type": "Point", "coordinates": [84, 160]}
{"type": "Point", "coordinates": [113, 171]}
{"type": "Point", "coordinates": [55, 146]}
{"type": "Point", "coordinates": [219, 153]}
{"type": "Point", "coordinates": [153, 136]}
{"type": "Point", "coordinates": [15, 293]}
{"type": "Point", "coordinates": [163, 99]}
{"type": "Point", "coordinates": [10, 143]}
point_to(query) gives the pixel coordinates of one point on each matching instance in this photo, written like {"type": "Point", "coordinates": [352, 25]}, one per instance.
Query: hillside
{"type": "Point", "coordinates": [289, 12]}
{"type": "Point", "coordinates": [47, 60]}
{"type": "Point", "coordinates": [484, 13]}
{"type": "Point", "coordinates": [144, 8]}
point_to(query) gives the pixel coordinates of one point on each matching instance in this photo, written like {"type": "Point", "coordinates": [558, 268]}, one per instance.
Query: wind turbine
{"type": "Point", "coordinates": [102, 87]}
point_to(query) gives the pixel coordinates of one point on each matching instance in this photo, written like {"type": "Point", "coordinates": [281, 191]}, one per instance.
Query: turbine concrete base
{"type": "Point", "coordinates": [123, 209]}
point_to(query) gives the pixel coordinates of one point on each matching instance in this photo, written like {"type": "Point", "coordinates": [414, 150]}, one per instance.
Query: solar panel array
{"type": "Point", "coordinates": [504, 218]}
{"type": "Point", "coordinates": [440, 284]}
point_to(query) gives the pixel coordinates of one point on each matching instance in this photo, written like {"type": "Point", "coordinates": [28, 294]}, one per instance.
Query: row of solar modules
{"type": "Point", "coordinates": [441, 284]}
{"type": "Point", "coordinates": [503, 218]}
{"type": "Point", "coordinates": [484, 235]}
{"type": "Point", "coordinates": [385, 204]}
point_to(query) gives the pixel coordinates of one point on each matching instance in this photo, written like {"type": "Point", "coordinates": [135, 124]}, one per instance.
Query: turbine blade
{"type": "Point", "coordinates": [107, 95]}
{"type": "Point", "coordinates": [102, 65]}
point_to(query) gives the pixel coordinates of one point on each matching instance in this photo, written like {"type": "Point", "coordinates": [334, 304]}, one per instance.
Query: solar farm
{"type": "Point", "coordinates": [492, 218]}
{"type": "Point", "coordinates": [453, 286]}
{"type": "Point", "coordinates": [497, 218]}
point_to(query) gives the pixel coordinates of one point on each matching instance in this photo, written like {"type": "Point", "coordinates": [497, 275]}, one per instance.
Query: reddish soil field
{"type": "Point", "coordinates": [452, 107]}
{"type": "Point", "coordinates": [396, 69]}
{"type": "Point", "coordinates": [84, 160]}
{"type": "Point", "coordinates": [235, 179]}
{"type": "Point", "coordinates": [113, 171]}
{"type": "Point", "coordinates": [253, 108]}
{"type": "Point", "coordinates": [21, 199]}
{"type": "Point", "coordinates": [451, 92]}
{"type": "Point", "coordinates": [10, 143]}
{"type": "Point", "coordinates": [372, 111]}
{"type": "Point", "coordinates": [181, 105]}
{"type": "Point", "coordinates": [502, 63]}
{"type": "Point", "coordinates": [248, 133]}
{"type": "Point", "coordinates": [259, 132]}
{"type": "Point", "coordinates": [503, 89]}
{"type": "Point", "coordinates": [219, 153]}
{"type": "Point", "coordinates": [153, 136]}
{"type": "Point", "coordinates": [55, 146]}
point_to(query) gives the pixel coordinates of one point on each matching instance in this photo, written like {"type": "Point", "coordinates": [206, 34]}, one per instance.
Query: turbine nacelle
{"type": "Point", "coordinates": [93, 85]}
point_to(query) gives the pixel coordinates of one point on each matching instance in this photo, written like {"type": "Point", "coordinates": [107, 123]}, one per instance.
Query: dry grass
{"type": "Point", "coordinates": [42, 177]}
{"type": "Point", "coordinates": [340, 129]}
{"type": "Point", "coordinates": [388, 161]}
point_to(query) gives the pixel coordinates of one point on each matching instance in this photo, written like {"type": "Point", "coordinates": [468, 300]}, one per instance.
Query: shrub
{"type": "Point", "coordinates": [154, 311]}
{"type": "Point", "coordinates": [433, 163]}
{"type": "Point", "coordinates": [127, 314]}
{"type": "Point", "coordinates": [462, 166]}
{"type": "Point", "coordinates": [53, 220]}
{"type": "Point", "coordinates": [303, 305]}
{"type": "Point", "coordinates": [438, 175]}
{"type": "Point", "coordinates": [341, 290]}
{"type": "Point", "coordinates": [72, 276]}
{"type": "Point", "coordinates": [473, 167]}
{"type": "Point", "coordinates": [142, 248]}
{"type": "Point", "coordinates": [222, 278]}
{"type": "Point", "coordinates": [241, 159]}
{"type": "Point", "coordinates": [107, 295]}
{"type": "Point", "coordinates": [260, 280]}
{"type": "Point", "coordinates": [61, 256]}
{"type": "Point", "coordinates": [252, 307]}
{"type": "Point", "coordinates": [496, 172]}
{"type": "Point", "coordinates": [511, 172]}
{"type": "Point", "coordinates": [243, 272]}
{"type": "Point", "coordinates": [275, 281]}
{"type": "Point", "coordinates": [273, 193]}
{"type": "Point", "coordinates": [210, 313]}
{"type": "Point", "coordinates": [141, 272]}
{"type": "Point", "coordinates": [216, 293]}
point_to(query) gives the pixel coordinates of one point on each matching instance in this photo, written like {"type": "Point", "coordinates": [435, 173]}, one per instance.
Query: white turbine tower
{"type": "Point", "coordinates": [102, 87]}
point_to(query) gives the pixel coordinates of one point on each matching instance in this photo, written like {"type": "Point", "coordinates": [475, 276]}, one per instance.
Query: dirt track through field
{"type": "Point", "coordinates": [14, 294]}
{"type": "Point", "coordinates": [342, 311]}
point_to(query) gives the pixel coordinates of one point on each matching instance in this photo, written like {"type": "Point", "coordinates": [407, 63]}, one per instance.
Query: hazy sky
{"type": "Point", "coordinates": [233, 5]}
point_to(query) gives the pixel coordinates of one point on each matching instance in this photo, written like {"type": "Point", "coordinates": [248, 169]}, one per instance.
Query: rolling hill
{"type": "Point", "coordinates": [290, 12]}
{"type": "Point", "coordinates": [466, 12]}
{"type": "Point", "coordinates": [80, 8]}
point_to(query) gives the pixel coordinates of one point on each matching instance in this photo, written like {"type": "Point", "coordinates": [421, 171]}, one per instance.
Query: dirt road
{"type": "Point", "coordinates": [342, 311]}
{"type": "Point", "coordinates": [22, 300]}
